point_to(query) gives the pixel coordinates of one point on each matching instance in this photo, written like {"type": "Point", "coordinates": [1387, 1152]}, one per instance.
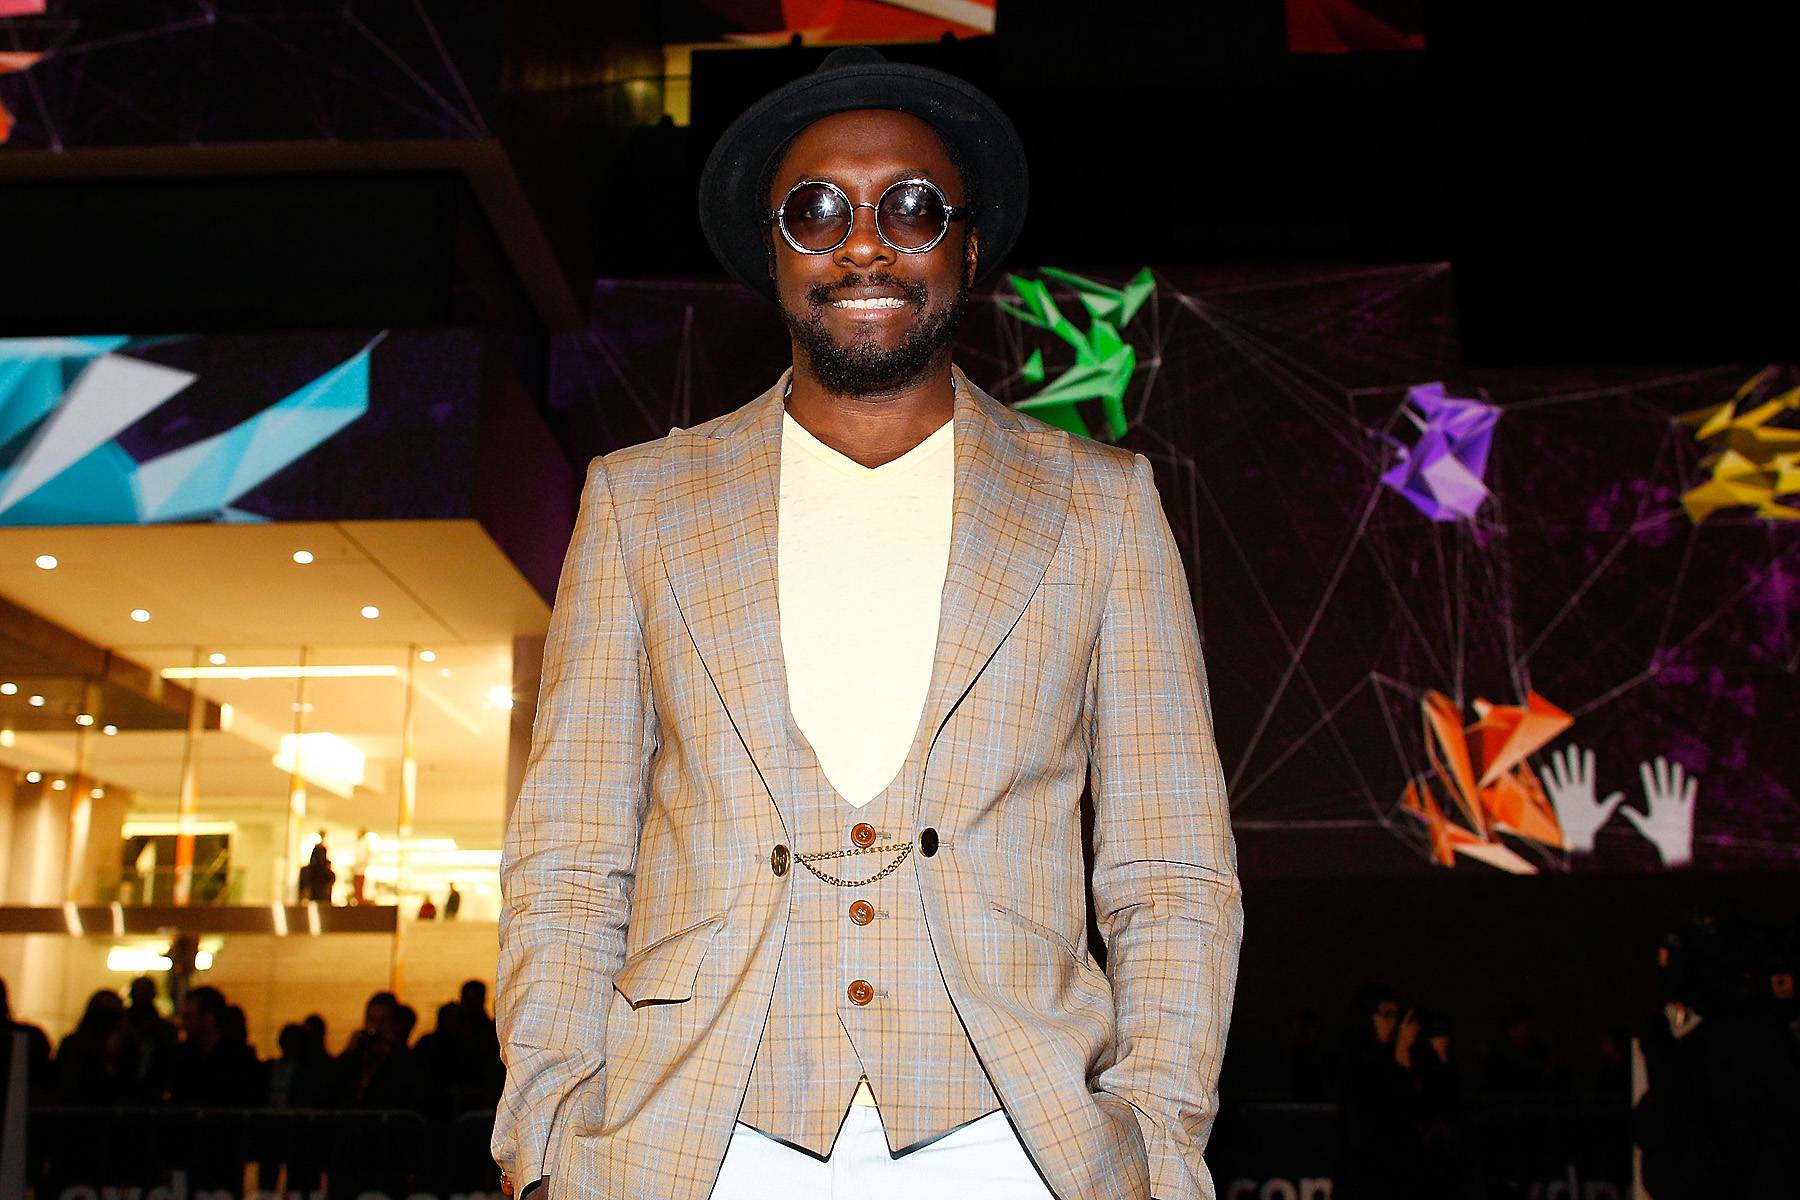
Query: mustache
{"type": "Point", "coordinates": [820, 293]}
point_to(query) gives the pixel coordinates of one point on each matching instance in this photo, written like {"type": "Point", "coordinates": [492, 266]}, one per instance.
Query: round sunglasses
{"type": "Point", "coordinates": [911, 216]}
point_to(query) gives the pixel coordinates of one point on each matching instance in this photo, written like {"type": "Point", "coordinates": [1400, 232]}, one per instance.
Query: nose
{"type": "Point", "coordinates": [864, 246]}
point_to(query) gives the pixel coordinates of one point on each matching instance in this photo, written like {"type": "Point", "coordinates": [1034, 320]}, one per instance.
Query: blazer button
{"type": "Point", "coordinates": [862, 912]}
{"type": "Point", "coordinates": [862, 834]}
{"type": "Point", "coordinates": [861, 992]}
{"type": "Point", "coordinates": [928, 841]}
{"type": "Point", "coordinates": [778, 859]}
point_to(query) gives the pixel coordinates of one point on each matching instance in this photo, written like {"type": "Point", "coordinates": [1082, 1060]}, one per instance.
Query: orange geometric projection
{"type": "Point", "coordinates": [1483, 772]}
{"type": "Point", "coordinates": [10, 61]}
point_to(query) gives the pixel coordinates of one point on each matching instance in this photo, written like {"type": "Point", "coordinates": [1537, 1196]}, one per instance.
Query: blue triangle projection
{"type": "Point", "coordinates": [104, 485]}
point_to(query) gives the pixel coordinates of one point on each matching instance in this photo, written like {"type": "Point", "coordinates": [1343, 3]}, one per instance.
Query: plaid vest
{"type": "Point", "coordinates": [858, 991]}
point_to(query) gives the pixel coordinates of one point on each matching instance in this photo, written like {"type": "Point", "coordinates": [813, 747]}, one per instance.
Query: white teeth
{"type": "Point", "coordinates": [878, 302]}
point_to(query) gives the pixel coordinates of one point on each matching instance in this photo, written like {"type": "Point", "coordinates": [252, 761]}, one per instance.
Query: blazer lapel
{"type": "Point", "coordinates": [717, 504]}
{"type": "Point", "coordinates": [717, 508]}
{"type": "Point", "coordinates": [1011, 497]}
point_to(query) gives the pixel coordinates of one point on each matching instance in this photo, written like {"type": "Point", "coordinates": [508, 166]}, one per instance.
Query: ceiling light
{"type": "Point", "coordinates": [36, 702]}
{"type": "Point", "coordinates": [173, 827]}
{"type": "Point", "coordinates": [140, 615]}
{"type": "Point", "coordinates": [6, 738]}
{"type": "Point", "coordinates": [47, 561]}
{"type": "Point", "coordinates": [34, 777]}
{"type": "Point", "coordinates": [428, 656]}
{"type": "Point", "coordinates": [109, 730]}
{"type": "Point", "coordinates": [98, 793]}
{"type": "Point", "coordinates": [303, 557]}
{"type": "Point", "coordinates": [9, 689]}
{"type": "Point", "coordinates": [58, 784]}
{"type": "Point", "coordinates": [216, 659]}
{"type": "Point", "coordinates": [499, 696]}
{"type": "Point", "coordinates": [136, 960]}
{"type": "Point", "coordinates": [322, 759]}
{"type": "Point", "coordinates": [84, 718]}
{"type": "Point", "coordinates": [444, 671]}
{"type": "Point", "coordinates": [370, 611]}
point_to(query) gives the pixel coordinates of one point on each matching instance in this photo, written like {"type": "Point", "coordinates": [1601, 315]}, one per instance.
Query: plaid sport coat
{"type": "Point", "coordinates": [646, 873]}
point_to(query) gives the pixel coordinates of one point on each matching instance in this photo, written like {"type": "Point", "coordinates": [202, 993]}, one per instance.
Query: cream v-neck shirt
{"type": "Point", "coordinates": [862, 553]}
{"type": "Point", "coordinates": [861, 557]}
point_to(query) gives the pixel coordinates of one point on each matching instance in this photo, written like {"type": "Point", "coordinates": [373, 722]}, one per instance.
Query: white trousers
{"type": "Point", "coordinates": [981, 1160]}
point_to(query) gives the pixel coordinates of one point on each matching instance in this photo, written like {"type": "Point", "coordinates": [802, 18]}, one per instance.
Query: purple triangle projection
{"type": "Point", "coordinates": [1440, 474]}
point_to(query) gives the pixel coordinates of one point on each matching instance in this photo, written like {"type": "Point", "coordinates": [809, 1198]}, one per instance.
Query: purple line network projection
{"type": "Point", "coordinates": [1525, 621]}
{"type": "Point", "coordinates": [78, 74]}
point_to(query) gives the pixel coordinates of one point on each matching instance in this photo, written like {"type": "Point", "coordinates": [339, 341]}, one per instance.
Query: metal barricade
{"type": "Point", "coordinates": [294, 1154]}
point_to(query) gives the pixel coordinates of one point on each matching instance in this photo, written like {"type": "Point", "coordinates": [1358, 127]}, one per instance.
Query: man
{"type": "Point", "coordinates": [795, 902]}
{"type": "Point", "coordinates": [36, 1043]}
{"type": "Point", "coordinates": [317, 877]}
{"type": "Point", "coordinates": [211, 1069]}
{"type": "Point", "coordinates": [376, 1069]}
{"type": "Point", "coordinates": [359, 869]}
{"type": "Point", "coordinates": [157, 1038]}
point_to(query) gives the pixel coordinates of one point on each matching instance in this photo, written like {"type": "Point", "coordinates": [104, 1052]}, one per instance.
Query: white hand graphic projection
{"type": "Point", "coordinates": [1669, 826]}
{"type": "Point", "coordinates": [1570, 781]}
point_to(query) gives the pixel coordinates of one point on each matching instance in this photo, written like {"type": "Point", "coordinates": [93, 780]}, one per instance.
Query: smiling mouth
{"type": "Point", "coordinates": [872, 303]}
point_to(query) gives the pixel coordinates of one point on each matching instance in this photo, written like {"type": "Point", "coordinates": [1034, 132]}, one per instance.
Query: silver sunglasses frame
{"type": "Point", "coordinates": [951, 213]}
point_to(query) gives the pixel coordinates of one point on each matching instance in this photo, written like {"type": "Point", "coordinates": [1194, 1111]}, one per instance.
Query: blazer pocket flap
{"type": "Point", "coordinates": [1030, 926]}
{"type": "Point", "coordinates": [663, 972]}
{"type": "Point", "coordinates": [1075, 954]}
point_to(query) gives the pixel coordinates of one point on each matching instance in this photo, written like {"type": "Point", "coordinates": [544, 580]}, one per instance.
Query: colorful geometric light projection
{"type": "Point", "coordinates": [1750, 461]}
{"type": "Point", "coordinates": [826, 22]}
{"type": "Point", "coordinates": [1483, 774]}
{"type": "Point", "coordinates": [11, 61]}
{"type": "Point", "coordinates": [1440, 474]}
{"type": "Point", "coordinates": [1103, 364]}
{"type": "Point", "coordinates": [64, 400]}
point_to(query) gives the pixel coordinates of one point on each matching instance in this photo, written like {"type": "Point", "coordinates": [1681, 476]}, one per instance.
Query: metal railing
{"type": "Point", "coordinates": [1491, 1150]}
{"type": "Point", "coordinates": [212, 884]}
{"type": "Point", "coordinates": [321, 1153]}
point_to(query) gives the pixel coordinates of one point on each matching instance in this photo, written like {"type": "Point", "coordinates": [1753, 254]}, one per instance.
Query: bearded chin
{"type": "Point", "coordinates": [862, 368]}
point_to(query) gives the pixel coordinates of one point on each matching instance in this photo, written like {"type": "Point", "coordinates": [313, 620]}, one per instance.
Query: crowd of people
{"type": "Point", "coordinates": [125, 1053]}
{"type": "Point", "coordinates": [1711, 1111]}
{"type": "Point", "coordinates": [1718, 1084]}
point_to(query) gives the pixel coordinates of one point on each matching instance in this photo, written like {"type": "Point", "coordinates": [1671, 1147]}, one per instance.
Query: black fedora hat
{"type": "Point", "coordinates": [982, 139]}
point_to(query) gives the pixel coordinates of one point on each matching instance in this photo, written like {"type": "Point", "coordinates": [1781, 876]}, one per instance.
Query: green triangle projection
{"type": "Point", "coordinates": [1033, 370]}
{"type": "Point", "coordinates": [1104, 363]}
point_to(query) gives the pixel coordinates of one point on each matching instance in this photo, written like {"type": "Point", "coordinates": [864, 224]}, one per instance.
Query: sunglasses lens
{"type": "Point", "coordinates": [911, 216]}
{"type": "Point", "coordinates": [815, 216]}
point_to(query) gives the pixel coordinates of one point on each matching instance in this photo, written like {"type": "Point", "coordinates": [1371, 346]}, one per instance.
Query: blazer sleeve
{"type": "Point", "coordinates": [1166, 889]}
{"type": "Point", "coordinates": [569, 860]}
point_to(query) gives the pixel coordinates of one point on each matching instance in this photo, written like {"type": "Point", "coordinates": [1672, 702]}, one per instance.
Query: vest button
{"type": "Point", "coordinates": [862, 912]}
{"type": "Point", "coordinates": [928, 841]}
{"type": "Point", "coordinates": [862, 834]}
{"type": "Point", "coordinates": [861, 992]}
{"type": "Point", "coordinates": [778, 859]}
